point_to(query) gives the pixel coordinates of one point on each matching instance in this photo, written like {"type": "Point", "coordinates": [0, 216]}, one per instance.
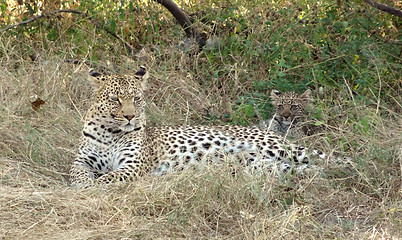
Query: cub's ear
{"type": "Point", "coordinates": [307, 95]}
{"type": "Point", "coordinates": [143, 74]}
{"type": "Point", "coordinates": [96, 79]}
{"type": "Point", "coordinates": [275, 95]}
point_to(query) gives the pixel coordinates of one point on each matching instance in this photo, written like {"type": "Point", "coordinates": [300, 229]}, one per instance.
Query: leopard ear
{"type": "Point", "coordinates": [143, 74]}
{"type": "Point", "coordinates": [274, 96]}
{"type": "Point", "coordinates": [307, 95]}
{"type": "Point", "coordinates": [96, 79]}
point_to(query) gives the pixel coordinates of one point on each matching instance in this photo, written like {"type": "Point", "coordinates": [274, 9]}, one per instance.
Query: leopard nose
{"type": "Point", "coordinates": [129, 117]}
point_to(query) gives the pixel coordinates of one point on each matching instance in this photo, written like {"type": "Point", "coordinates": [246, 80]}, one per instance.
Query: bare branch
{"type": "Point", "coordinates": [92, 19]}
{"type": "Point", "coordinates": [184, 21]}
{"type": "Point", "coordinates": [384, 8]}
{"type": "Point", "coordinates": [39, 17]}
{"type": "Point", "coordinates": [180, 16]}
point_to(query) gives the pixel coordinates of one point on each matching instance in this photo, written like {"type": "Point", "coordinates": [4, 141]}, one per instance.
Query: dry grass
{"type": "Point", "coordinates": [208, 204]}
{"type": "Point", "coordinates": [37, 148]}
{"type": "Point", "coordinates": [358, 201]}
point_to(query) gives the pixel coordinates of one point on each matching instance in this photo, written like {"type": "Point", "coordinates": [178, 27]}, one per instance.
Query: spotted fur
{"type": "Point", "coordinates": [117, 145]}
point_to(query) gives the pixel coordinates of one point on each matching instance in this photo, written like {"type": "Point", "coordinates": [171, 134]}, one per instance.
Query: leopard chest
{"type": "Point", "coordinates": [107, 151]}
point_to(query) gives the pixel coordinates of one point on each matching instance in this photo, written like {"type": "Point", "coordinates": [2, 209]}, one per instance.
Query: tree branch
{"type": "Point", "coordinates": [184, 21]}
{"type": "Point", "coordinates": [384, 8]}
{"type": "Point", "coordinates": [180, 16]}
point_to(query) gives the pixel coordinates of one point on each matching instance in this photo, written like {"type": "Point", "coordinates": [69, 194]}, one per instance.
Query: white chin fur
{"type": "Point", "coordinates": [127, 128]}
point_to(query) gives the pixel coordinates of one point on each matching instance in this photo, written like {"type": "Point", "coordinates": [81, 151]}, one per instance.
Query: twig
{"type": "Point", "coordinates": [76, 109]}
{"type": "Point", "coordinates": [315, 84]}
{"type": "Point", "coordinates": [384, 8]}
{"type": "Point", "coordinates": [350, 91]}
{"type": "Point", "coordinates": [40, 221]}
{"type": "Point", "coordinates": [39, 17]}
{"type": "Point", "coordinates": [379, 90]}
{"type": "Point", "coordinates": [94, 21]}
{"type": "Point", "coordinates": [130, 48]}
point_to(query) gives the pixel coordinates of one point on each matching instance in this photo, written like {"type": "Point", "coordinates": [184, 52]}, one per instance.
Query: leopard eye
{"type": "Point", "coordinates": [114, 98]}
{"type": "Point", "coordinates": [136, 99]}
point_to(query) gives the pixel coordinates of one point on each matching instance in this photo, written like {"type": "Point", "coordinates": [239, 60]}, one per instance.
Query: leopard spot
{"type": "Point", "coordinates": [206, 145]}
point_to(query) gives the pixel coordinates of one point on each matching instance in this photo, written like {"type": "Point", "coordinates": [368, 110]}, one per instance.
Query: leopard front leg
{"type": "Point", "coordinates": [129, 165]}
{"type": "Point", "coordinates": [129, 172]}
{"type": "Point", "coordinates": [81, 174]}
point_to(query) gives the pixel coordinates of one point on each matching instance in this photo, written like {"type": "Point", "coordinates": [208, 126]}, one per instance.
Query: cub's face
{"type": "Point", "coordinates": [120, 99]}
{"type": "Point", "coordinates": [290, 106]}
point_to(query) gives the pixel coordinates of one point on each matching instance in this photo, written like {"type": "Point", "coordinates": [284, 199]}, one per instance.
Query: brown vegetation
{"type": "Point", "coordinates": [43, 100]}
{"type": "Point", "coordinates": [38, 147]}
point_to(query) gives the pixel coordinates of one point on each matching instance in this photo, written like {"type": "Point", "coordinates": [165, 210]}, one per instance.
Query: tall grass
{"type": "Point", "coordinates": [345, 55]}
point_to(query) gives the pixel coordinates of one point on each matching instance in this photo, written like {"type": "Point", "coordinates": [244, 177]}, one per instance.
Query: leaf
{"type": "Point", "coordinates": [249, 111]}
{"type": "Point", "coordinates": [280, 74]}
{"type": "Point", "coordinates": [131, 6]}
{"type": "Point", "coordinates": [318, 123]}
{"type": "Point", "coordinates": [112, 25]}
{"type": "Point", "coordinates": [282, 63]}
{"type": "Point", "coordinates": [37, 104]}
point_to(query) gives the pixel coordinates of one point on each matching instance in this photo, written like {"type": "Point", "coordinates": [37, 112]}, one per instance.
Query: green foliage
{"type": "Point", "coordinates": [314, 44]}
{"type": "Point", "coordinates": [135, 22]}
{"type": "Point", "coordinates": [288, 46]}
{"type": "Point", "coordinates": [242, 113]}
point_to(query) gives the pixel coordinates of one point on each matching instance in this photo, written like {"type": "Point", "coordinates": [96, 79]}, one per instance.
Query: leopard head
{"type": "Point", "coordinates": [120, 100]}
{"type": "Point", "coordinates": [290, 106]}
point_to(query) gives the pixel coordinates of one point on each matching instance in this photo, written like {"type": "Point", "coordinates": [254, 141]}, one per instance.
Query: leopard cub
{"type": "Point", "coordinates": [289, 119]}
